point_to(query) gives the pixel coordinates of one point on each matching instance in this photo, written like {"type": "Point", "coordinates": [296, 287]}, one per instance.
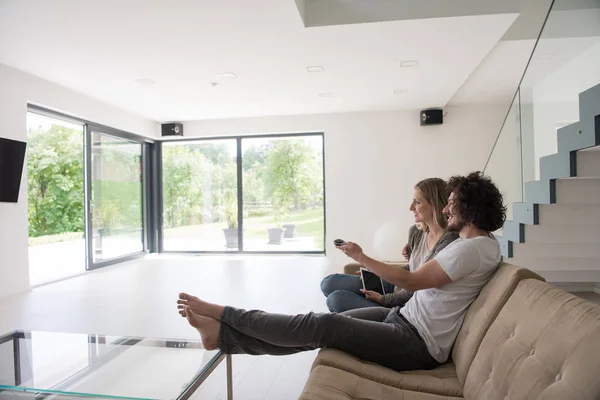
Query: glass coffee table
{"type": "Point", "coordinates": [40, 365]}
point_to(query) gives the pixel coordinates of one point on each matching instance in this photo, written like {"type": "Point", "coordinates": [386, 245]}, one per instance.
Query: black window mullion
{"type": "Point", "coordinates": [240, 201]}
{"type": "Point", "coordinates": [158, 196]}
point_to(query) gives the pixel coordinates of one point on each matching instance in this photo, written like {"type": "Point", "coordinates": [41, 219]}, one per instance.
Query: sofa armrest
{"type": "Point", "coordinates": [352, 268]}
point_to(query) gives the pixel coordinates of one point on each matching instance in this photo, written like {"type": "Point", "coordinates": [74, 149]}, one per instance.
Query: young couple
{"type": "Point", "coordinates": [417, 334]}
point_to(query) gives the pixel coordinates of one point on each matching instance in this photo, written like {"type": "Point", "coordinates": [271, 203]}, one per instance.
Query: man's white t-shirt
{"type": "Point", "coordinates": [438, 313]}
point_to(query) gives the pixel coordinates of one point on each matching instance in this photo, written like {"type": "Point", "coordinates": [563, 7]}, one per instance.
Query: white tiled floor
{"type": "Point", "coordinates": [138, 299]}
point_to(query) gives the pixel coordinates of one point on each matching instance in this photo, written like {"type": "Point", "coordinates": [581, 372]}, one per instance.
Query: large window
{"type": "Point", "coordinates": [55, 198]}
{"type": "Point", "coordinates": [283, 193]}
{"type": "Point", "coordinates": [87, 190]}
{"type": "Point", "coordinates": [244, 194]}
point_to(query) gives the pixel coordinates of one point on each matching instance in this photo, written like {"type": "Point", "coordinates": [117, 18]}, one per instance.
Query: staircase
{"type": "Point", "coordinates": [556, 230]}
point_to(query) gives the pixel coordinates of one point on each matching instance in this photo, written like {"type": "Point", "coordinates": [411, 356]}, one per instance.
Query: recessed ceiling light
{"type": "Point", "coordinates": [254, 99]}
{"type": "Point", "coordinates": [325, 94]}
{"type": "Point", "coordinates": [315, 68]}
{"type": "Point", "coordinates": [228, 75]}
{"type": "Point", "coordinates": [144, 82]}
{"type": "Point", "coordinates": [409, 63]}
{"type": "Point", "coordinates": [400, 91]}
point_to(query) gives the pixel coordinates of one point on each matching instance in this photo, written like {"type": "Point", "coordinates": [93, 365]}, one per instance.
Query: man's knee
{"type": "Point", "coordinates": [337, 301]}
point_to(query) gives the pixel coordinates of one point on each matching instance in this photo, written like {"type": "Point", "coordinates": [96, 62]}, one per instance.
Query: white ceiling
{"type": "Point", "coordinates": [101, 48]}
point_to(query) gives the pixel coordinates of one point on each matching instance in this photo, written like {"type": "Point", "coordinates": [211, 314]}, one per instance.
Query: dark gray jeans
{"type": "Point", "coordinates": [376, 334]}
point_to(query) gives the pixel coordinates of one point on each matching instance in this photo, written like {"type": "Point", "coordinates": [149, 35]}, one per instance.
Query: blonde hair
{"type": "Point", "coordinates": [435, 192]}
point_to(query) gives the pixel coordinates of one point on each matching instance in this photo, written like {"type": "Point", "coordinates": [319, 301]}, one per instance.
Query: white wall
{"type": "Point", "coordinates": [556, 98]}
{"type": "Point", "coordinates": [373, 160]}
{"type": "Point", "coordinates": [16, 90]}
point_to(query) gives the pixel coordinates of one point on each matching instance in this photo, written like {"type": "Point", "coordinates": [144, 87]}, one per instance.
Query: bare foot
{"type": "Point", "coordinates": [199, 307]}
{"type": "Point", "coordinates": [207, 327]}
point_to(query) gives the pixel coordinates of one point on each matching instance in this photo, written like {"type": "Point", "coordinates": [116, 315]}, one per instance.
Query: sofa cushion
{"type": "Point", "coordinates": [441, 380]}
{"type": "Point", "coordinates": [353, 268]}
{"type": "Point", "coordinates": [482, 312]}
{"type": "Point", "coordinates": [544, 344]}
{"type": "Point", "coordinates": [328, 383]}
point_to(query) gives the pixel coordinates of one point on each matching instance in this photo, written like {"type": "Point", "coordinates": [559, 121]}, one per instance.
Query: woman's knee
{"type": "Point", "coordinates": [328, 284]}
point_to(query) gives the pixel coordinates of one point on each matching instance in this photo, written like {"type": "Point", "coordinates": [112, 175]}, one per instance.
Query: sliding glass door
{"type": "Point", "coordinates": [114, 196]}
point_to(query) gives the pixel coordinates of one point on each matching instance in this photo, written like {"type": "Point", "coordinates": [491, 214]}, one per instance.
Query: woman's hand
{"type": "Point", "coordinates": [371, 295]}
{"type": "Point", "coordinates": [406, 252]}
{"type": "Point", "coordinates": [352, 250]}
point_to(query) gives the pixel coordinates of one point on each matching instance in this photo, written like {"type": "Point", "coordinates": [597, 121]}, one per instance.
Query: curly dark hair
{"type": "Point", "coordinates": [478, 201]}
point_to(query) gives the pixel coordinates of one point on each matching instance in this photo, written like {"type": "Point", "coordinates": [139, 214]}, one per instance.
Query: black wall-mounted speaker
{"type": "Point", "coordinates": [433, 116]}
{"type": "Point", "coordinates": [172, 129]}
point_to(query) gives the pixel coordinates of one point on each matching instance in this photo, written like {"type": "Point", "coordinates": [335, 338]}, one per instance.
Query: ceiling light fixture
{"type": "Point", "coordinates": [400, 91]}
{"type": "Point", "coordinates": [315, 68]}
{"type": "Point", "coordinates": [144, 82]}
{"type": "Point", "coordinates": [228, 75]}
{"type": "Point", "coordinates": [323, 95]}
{"type": "Point", "coordinates": [409, 63]}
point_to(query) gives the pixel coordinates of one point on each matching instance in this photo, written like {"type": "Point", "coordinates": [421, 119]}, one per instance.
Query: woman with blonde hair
{"type": "Point", "coordinates": [425, 239]}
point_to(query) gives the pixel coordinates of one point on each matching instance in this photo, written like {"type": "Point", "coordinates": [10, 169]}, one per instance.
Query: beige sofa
{"type": "Point", "coordinates": [521, 339]}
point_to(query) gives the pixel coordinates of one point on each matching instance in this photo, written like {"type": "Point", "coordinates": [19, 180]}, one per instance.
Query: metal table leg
{"type": "Point", "coordinates": [229, 378]}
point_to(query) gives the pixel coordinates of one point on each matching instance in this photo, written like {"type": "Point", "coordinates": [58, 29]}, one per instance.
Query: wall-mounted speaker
{"type": "Point", "coordinates": [432, 116]}
{"type": "Point", "coordinates": [173, 129]}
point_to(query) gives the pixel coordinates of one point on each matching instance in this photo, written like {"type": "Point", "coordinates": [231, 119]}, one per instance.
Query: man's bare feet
{"type": "Point", "coordinates": [207, 327]}
{"type": "Point", "coordinates": [199, 307]}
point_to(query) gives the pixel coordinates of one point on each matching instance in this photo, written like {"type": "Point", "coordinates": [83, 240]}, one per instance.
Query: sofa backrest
{"type": "Point", "coordinates": [482, 312]}
{"type": "Point", "coordinates": [544, 344]}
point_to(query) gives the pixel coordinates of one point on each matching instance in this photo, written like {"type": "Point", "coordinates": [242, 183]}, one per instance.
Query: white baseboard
{"type": "Point", "coordinates": [575, 287]}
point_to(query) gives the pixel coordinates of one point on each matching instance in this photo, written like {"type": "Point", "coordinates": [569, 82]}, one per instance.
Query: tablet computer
{"type": "Point", "coordinates": [371, 281]}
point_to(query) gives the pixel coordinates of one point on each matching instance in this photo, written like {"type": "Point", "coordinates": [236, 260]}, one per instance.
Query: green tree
{"type": "Point", "coordinates": [195, 187]}
{"type": "Point", "coordinates": [182, 185]}
{"type": "Point", "coordinates": [293, 170]}
{"type": "Point", "coordinates": [217, 152]}
{"type": "Point", "coordinates": [254, 156]}
{"type": "Point", "coordinates": [55, 180]}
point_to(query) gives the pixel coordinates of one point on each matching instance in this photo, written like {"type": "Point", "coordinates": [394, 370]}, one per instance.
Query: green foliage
{"type": "Point", "coordinates": [230, 210]}
{"type": "Point", "coordinates": [55, 181]}
{"type": "Point", "coordinates": [183, 170]}
{"type": "Point", "coordinates": [196, 180]}
{"type": "Point", "coordinates": [280, 177]}
{"type": "Point", "coordinates": [294, 171]}
{"type": "Point", "coordinates": [118, 204]}
{"type": "Point", "coordinates": [116, 185]}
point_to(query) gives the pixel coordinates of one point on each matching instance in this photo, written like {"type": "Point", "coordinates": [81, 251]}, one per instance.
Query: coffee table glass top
{"type": "Point", "coordinates": [99, 366]}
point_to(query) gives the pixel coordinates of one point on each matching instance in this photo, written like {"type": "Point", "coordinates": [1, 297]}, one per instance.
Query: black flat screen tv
{"type": "Point", "coordinates": [12, 158]}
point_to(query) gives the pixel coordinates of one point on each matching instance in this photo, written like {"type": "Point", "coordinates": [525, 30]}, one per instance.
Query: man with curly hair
{"type": "Point", "coordinates": [418, 335]}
